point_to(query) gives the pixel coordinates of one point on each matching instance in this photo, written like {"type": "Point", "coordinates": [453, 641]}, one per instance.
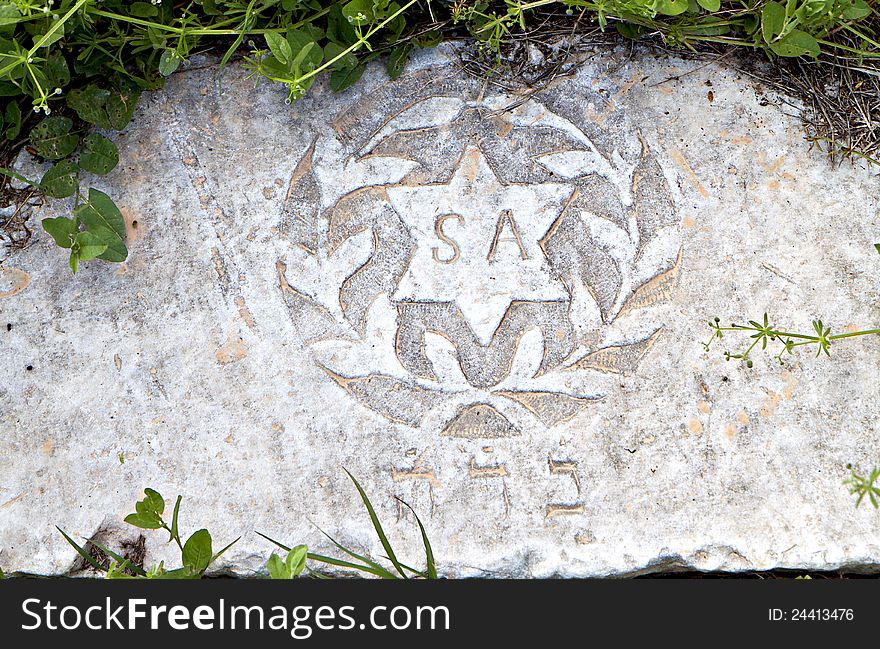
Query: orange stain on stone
{"type": "Point", "coordinates": [13, 281]}
{"type": "Point", "coordinates": [234, 350]}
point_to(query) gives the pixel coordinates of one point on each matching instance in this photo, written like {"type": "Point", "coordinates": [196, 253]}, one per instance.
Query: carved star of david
{"type": "Point", "coordinates": [479, 242]}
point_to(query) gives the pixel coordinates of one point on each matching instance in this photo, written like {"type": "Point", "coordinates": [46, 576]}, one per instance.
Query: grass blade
{"type": "Point", "coordinates": [378, 526]}
{"type": "Point", "coordinates": [417, 573]}
{"type": "Point", "coordinates": [371, 567]}
{"type": "Point", "coordinates": [123, 562]}
{"type": "Point", "coordinates": [270, 540]}
{"type": "Point", "coordinates": [85, 555]}
{"type": "Point", "coordinates": [219, 554]}
{"type": "Point", "coordinates": [381, 572]}
{"type": "Point", "coordinates": [429, 553]}
{"type": "Point", "coordinates": [384, 573]}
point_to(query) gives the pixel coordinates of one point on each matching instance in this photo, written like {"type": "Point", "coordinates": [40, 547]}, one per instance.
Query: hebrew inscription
{"type": "Point", "coordinates": [451, 255]}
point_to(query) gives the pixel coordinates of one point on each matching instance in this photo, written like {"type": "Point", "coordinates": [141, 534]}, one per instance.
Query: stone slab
{"type": "Point", "coordinates": [488, 305]}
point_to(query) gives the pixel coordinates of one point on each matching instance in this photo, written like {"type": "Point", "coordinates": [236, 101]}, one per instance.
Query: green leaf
{"type": "Point", "coordinates": [179, 573]}
{"type": "Point", "coordinates": [100, 216]}
{"type": "Point", "coordinates": [772, 20]}
{"type": "Point", "coordinates": [56, 35]}
{"type": "Point", "coordinates": [87, 246]}
{"type": "Point", "coordinates": [61, 180]}
{"type": "Point", "coordinates": [857, 10]}
{"type": "Point", "coordinates": [13, 121]}
{"type": "Point", "coordinates": [2, 576]}
{"type": "Point", "coordinates": [148, 512]}
{"type": "Point", "coordinates": [370, 567]}
{"type": "Point", "coordinates": [88, 103]}
{"type": "Point", "coordinates": [99, 156]}
{"type": "Point", "coordinates": [169, 62]}
{"type": "Point", "coordinates": [271, 540]}
{"type": "Point", "coordinates": [279, 46]}
{"type": "Point", "coordinates": [296, 560]}
{"type": "Point", "coordinates": [143, 9]}
{"type": "Point", "coordinates": [117, 571]}
{"type": "Point", "coordinates": [307, 54]}
{"type": "Point", "coordinates": [345, 78]}
{"type": "Point", "coordinates": [153, 499]}
{"type": "Point", "coordinates": [157, 38]}
{"type": "Point", "coordinates": [9, 14]}
{"type": "Point", "coordinates": [710, 5]}
{"type": "Point", "coordinates": [276, 567]}
{"type": "Point", "coordinates": [144, 520]}
{"type": "Point", "coordinates": [52, 139]}
{"type": "Point", "coordinates": [174, 531]}
{"type": "Point", "coordinates": [671, 7]}
{"type": "Point", "coordinates": [359, 12]}
{"type": "Point", "coordinates": [339, 30]}
{"type": "Point", "coordinates": [796, 43]}
{"type": "Point", "coordinates": [106, 108]}
{"type": "Point", "coordinates": [56, 70]}
{"type": "Point", "coordinates": [877, 246]}
{"type": "Point", "coordinates": [62, 229]}
{"type": "Point", "coordinates": [397, 59]}
{"type": "Point", "coordinates": [427, 39]}
{"type": "Point", "coordinates": [197, 552]}
{"type": "Point", "coordinates": [332, 50]}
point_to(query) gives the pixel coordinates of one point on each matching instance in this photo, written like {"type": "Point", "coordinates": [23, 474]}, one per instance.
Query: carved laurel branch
{"type": "Point", "coordinates": [641, 211]}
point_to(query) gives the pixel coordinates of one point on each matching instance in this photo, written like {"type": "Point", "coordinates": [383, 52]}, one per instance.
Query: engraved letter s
{"type": "Point", "coordinates": [438, 229]}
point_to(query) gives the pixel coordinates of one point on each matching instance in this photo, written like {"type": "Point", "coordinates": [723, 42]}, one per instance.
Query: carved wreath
{"type": "Point", "coordinates": [613, 246]}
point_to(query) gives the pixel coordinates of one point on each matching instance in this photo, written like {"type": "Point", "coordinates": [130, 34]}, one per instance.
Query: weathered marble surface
{"type": "Point", "coordinates": [493, 314]}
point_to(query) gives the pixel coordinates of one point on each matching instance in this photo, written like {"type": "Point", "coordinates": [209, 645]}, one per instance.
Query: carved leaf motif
{"type": "Point", "coordinates": [572, 250]}
{"type": "Point", "coordinates": [312, 320]}
{"type": "Point", "coordinates": [358, 123]}
{"type": "Point", "coordinates": [550, 408]}
{"type": "Point", "coordinates": [599, 272]}
{"type": "Point", "coordinates": [438, 149]}
{"type": "Point", "coordinates": [479, 421]}
{"type": "Point", "coordinates": [401, 402]}
{"type": "Point", "coordinates": [368, 209]}
{"type": "Point", "coordinates": [657, 289]}
{"type": "Point", "coordinates": [354, 213]}
{"type": "Point", "coordinates": [617, 359]}
{"type": "Point", "coordinates": [652, 205]}
{"type": "Point", "coordinates": [300, 219]}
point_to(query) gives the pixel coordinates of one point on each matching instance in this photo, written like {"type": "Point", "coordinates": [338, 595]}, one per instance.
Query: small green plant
{"type": "Point", "coordinates": [861, 486]}
{"type": "Point", "coordinates": [762, 333]}
{"type": "Point", "coordinates": [196, 553]}
{"type": "Point", "coordinates": [291, 566]}
{"type": "Point", "coordinates": [295, 562]}
{"type": "Point", "coordinates": [70, 66]}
